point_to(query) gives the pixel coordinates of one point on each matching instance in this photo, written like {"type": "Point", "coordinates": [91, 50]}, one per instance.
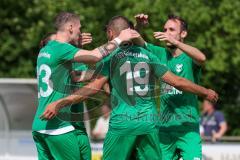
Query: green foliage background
{"type": "Point", "coordinates": [214, 28]}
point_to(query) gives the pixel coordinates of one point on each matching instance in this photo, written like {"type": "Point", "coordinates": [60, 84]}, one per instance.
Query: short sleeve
{"type": "Point", "coordinates": [158, 68]}
{"type": "Point", "coordinates": [195, 66]}
{"type": "Point", "coordinates": [156, 50]}
{"type": "Point", "coordinates": [68, 52]}
{"type": "Point", "coordinates": [103, 67]}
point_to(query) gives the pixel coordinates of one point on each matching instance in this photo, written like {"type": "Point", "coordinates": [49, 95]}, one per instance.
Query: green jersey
{"type": "Point", "coordinates": [53, 69]}
{"type": "Point", "coordinates": [132, 72]}
{"type": "Point", "coordinates": [177, 107]}
{"type": "Point", "coordinates": [77, 110]}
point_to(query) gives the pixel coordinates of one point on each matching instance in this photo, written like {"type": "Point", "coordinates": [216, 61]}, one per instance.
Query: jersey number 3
{"type": "Point", "coordinates": [46, 80]}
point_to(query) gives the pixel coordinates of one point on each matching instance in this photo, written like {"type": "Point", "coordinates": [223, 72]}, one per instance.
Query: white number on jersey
{"type": "Point", "coordinates": [135, 75]}
{"type": "Point", "coordinates": [46, 79]}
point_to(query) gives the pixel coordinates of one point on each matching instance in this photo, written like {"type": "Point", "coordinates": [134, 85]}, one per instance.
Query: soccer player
{"type": "Point", "coordinates": [77, 118]}
{"type": "Point", "coordinates": [57, 139]}
{"type": "Point", "coordinates": [131, 71]}
{"type": "Point", "coordinates": [76, 110]}
{"type": "Point", "coordinates": [179, 124]}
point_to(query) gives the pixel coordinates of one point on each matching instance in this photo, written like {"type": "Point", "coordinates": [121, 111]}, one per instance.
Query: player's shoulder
{"type": "Point", "coordinates": [153, 46]}
{"type": "Point", "coordinates": [45, 52]}
{"type": "Point", "coordinates": [61, 46]}
{"type": "Point", "coordinates": [189, 60]}
{"type": "Point", "coordinates": [143, 51]}
{"type": "Point", "coordinates": [159, 51]}
{"type": "Point", "coordinates": [140, 49]}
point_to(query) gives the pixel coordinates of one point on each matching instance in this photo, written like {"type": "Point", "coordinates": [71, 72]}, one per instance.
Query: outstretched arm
{"type": "Point", "coordinates": [186, 85]}
{"type": "Point", "coordinates": [82, 76]}
{"type": "Point", "coordinates": [93, 56]}
{"type": "Point", "coordinates": [76, 97]}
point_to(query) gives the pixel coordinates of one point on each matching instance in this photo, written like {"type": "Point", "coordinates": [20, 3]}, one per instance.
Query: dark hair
{"type": "Point", "coordinates": [64, 17]}
{"type": "Point", "coordinates": [119, 23]}
{"type": "Point", "coordinates": [184, 25]}
{"type": "Point", "coordinates": [131, 25]}
{"type": "Point", "coordinates": [45, 39]}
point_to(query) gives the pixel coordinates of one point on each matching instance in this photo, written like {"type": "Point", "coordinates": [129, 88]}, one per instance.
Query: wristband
{"type": "Point", "coordinates": [118, 41]}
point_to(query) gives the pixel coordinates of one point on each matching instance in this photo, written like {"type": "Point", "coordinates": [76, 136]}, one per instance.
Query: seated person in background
{"type": "Point", "coordinates": [213, 121]}
{"type": "Point", "coordinates": [101, 127]}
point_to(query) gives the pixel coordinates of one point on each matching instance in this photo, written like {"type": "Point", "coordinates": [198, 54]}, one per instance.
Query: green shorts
{"type": "Point", "coordinates": [84, 145]}
{"type": "Point", "coordinates": [69, 146]}
{"type": "Point", "coordinates": [186, 145]}
{"type": "Point", "coordinates": [122, 147]}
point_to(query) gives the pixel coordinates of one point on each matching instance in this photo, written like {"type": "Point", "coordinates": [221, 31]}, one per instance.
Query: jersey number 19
{"type": "Point", "coordinates": [136, 76]}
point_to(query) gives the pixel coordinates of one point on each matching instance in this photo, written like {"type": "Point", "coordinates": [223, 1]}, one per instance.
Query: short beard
{"type": "Point", "coordinates": [74, 43]}
{"type": "Point", "coordinates": [171, 47]}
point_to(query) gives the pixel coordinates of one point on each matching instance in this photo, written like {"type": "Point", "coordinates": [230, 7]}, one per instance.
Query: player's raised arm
{"type": "Point", "coordinates": [186, 85]}
{"type": "Point", "coordinates": [93, 56]}
{"type": "Point", "coordinates": [198, 56]}
{"type": "Point", "coordinates": [138, 40]}
{"type": "Point", "coordinates": [141, 21]}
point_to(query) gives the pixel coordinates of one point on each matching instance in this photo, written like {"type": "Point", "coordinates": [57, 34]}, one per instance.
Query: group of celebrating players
{"type": "Point", "coordinates": [137, 72]}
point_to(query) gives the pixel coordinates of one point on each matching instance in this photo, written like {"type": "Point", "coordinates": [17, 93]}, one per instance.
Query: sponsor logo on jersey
{"type": "Point", "coordinates": [44, 54]}
{"type": "Point", "coordinates": [167, 89]}
{"type": "Point", "coordinates": [179, 67]}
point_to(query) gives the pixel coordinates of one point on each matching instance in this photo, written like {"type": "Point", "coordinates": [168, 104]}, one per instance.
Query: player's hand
{"type": "Point", "coordinates": [135, 35]}
{"type": "Point", "coordinates": [85, 38]}
{"type": "Point", "coordinates": [138, 40]}
{"type": "Point", "coordinates": [212, 96]}
{"type": "Point", "coordinates": [76, 76]}
{"type": "Point", "coordinates": [141, 19]}
{"type": "Point", "coordinates": [51, 111]}
{"type": "Point", "coordinates": [162, 36]}
{"type": "Point", "coordinates": [128, 34]}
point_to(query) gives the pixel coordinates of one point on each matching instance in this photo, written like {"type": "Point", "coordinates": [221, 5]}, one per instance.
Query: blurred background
{"type": "Point", "coordinates": [214, 28]}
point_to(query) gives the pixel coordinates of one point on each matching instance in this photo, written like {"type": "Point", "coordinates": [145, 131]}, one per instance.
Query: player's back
{"type": "Point", "coordinates": [132, 76]}
{"type": "Point", "coordinates": [53, 66]}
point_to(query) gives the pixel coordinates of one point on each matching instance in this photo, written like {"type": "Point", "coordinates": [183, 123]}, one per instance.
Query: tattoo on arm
{"type": "Point", "coordinates": [108, 48]}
